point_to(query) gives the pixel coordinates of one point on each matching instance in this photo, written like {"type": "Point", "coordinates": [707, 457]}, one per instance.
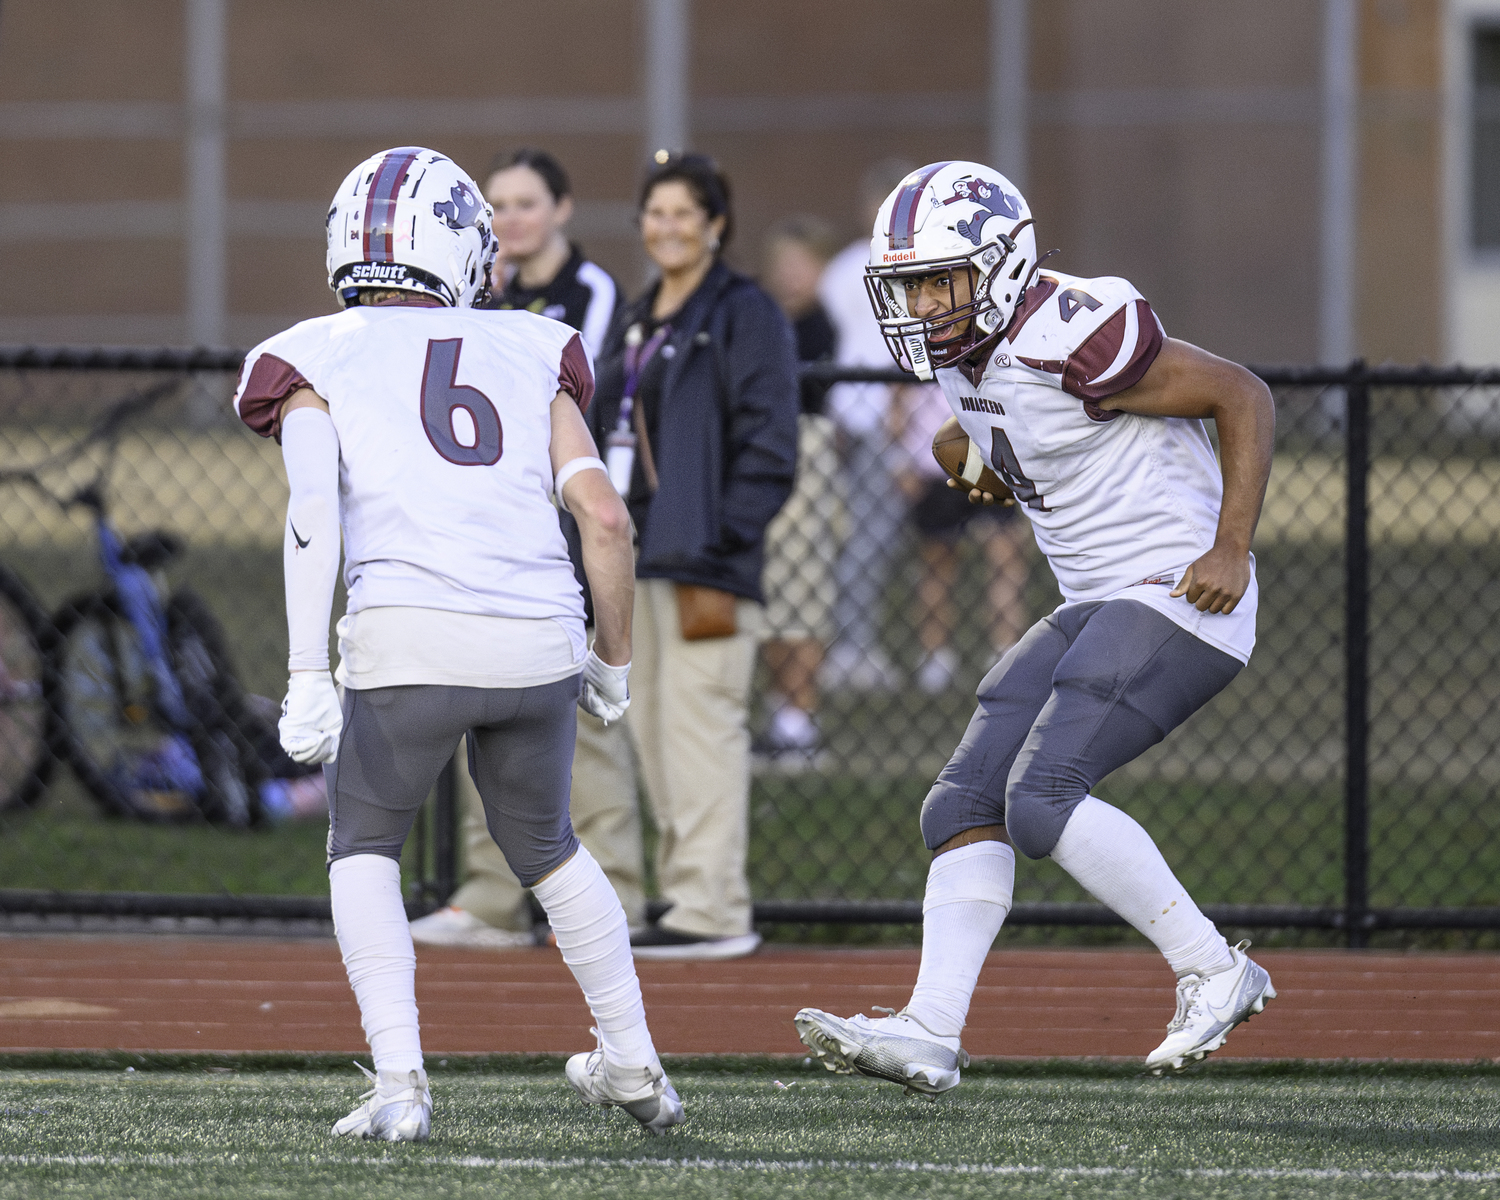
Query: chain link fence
{"type": "Point", "coordinates": [1343, 783]}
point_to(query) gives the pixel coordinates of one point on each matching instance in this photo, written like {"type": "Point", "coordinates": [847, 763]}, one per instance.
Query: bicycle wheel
{"type": "Point", "coordinates": [29, 725]}
{"type": "Point", "coordinates": [200, 656]}
{"type": "Point", "coordinates": [126, 756]}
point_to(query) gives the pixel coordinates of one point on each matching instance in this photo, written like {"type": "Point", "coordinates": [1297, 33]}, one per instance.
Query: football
{"type": "Point", "coordinates": [960, 458]}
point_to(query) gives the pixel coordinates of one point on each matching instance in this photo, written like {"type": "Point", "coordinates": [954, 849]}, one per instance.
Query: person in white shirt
{"type": "Point", "coordinates": [941, 517]}
{"type": "Point", "coordinates": [876, 506]}
{"type": "Point", "coordinates": [1070, 391]}
{"type": "Point", "coordinates": [433, 439]}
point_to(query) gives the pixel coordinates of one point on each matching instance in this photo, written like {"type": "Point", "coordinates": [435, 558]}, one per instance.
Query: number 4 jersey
{"type": "Point", "coordinates": [1120, 504]}
{"type": "Point", "coordinates": [445, 473]}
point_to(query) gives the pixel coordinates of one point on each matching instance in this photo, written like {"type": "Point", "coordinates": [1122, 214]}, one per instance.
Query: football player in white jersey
{"type": "Point", "coordinates": [435, 438]}
{"type": "Point", "coordinates": [1071, 392]}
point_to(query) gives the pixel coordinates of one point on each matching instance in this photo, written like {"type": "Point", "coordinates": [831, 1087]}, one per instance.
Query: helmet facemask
{"type": "Point", "coordinates": [918, 344]}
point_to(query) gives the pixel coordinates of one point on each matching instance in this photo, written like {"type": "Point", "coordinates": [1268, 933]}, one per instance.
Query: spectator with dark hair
{"type": "Point", "coordinates": [801, 546]}
{"type": "Point", "coordinates": [696, 414]}
{"type": "Point", "coordinates": [537, 268]}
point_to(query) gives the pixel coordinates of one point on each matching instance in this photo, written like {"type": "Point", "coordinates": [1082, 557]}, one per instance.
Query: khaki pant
{"type": "Point", "coordinates": [605, 816]}
{"type": "Point", "coordinates": [687, 722]}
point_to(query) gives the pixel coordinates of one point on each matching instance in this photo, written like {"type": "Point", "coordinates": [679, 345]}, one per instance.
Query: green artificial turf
{"type": "Point", "coordinates": [179, 1128]}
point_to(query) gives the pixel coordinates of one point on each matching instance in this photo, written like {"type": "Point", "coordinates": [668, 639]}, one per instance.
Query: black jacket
{"type": "Point", "coordinates": [726, 441]}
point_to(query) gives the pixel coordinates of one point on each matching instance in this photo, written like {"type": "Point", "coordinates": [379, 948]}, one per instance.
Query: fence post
{"type": "Point", "coordinates": [1357, 657]}
{"type": "Point", "coordinates": [445, 836]}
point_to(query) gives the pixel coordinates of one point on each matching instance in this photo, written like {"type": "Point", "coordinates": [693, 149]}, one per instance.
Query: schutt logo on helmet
{"type": "Point", "coordinates": [378, 272]}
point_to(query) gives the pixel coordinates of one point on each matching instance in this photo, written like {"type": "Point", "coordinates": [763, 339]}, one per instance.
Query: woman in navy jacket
{"type": "Point", "coordinates": [695, 410]}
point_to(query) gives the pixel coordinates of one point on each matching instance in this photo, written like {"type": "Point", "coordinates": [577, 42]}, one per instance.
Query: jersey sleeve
{"type": "Point", "coordinates": [574, 375]}
{"type": "Point", "coordinates": [269, 374]}
{"type": "Point", "coordinates": [1114, 356]}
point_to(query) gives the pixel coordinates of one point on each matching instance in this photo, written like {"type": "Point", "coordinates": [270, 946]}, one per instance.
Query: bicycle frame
{"type": "Point", "coordinates": [142, 605]}
{"type": "Point", "coordinates": [143, 608]}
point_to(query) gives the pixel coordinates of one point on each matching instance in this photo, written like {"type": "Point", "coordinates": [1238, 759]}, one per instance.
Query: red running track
{"type": "Point", "coordinates": [181, 993]}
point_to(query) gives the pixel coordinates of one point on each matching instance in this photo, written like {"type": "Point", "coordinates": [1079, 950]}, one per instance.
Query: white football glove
{"type": "Point", "coordinates": [605, 693]}
{"type": "Point", "coordinates": [311, 719]}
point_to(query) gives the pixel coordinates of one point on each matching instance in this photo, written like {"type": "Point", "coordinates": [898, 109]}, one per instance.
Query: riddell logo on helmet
{"type": "Point", "coordinates": [899, 256]}
{"type": "Point", "coordinates": [379, 272]}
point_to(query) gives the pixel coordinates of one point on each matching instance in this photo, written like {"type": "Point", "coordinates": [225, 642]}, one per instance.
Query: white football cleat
{"type": "Point", "coordinates": [455, 927]}
{"type": "Point", "coordinates": [898, 1047]}
{"type": "Point", "coordinates": [1208, 1007]}
{"type": "Point", "coordinates": [397, 1109]}
{"type": "Point", "coordinates": [644, 1092]}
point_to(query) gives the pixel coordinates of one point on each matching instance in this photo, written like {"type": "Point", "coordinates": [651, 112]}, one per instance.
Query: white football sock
{"type": "Point", "coordinates": [1115, 859]}
{"type": "Point", "coordinates": [591, 932]}
{"type": "Point", "coordinates": [375, 940]}
{"type": "Point", "coordinates": [968, 896]}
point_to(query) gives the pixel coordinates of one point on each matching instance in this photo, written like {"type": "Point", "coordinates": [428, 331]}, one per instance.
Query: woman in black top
{"type": "Point", "coordinates": [537, 268]}
{"type": "Point", "coordinates": [696, 412]}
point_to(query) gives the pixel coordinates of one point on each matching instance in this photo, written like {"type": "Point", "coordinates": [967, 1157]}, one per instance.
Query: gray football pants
{"type": "Point", "coordinates": [397, 739]}
{"type": "Point", "coordinates": [1087, 689]}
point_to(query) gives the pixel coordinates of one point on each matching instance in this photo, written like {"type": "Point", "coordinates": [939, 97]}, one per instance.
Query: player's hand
{"type": "Point", "coordinates": [605, 692]}
{"type": "Point", "coordinates": [978, 497]}
{"type": "Point", "coordinates": [1216, 582]}
{"type": "Point", "coordinates": [311, 719]}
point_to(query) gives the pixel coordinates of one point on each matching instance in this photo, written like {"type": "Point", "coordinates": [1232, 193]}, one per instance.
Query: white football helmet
{"type": "Point", "coordinates": [412, 220]}
{"type": "Point", "coordinates": [945, 217]}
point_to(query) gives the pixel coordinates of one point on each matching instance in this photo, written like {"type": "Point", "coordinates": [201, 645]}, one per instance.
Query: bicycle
{"type": "Point", "coordinates": [151, 707]}
{"type": "Point", "coordinates": [144, 704]}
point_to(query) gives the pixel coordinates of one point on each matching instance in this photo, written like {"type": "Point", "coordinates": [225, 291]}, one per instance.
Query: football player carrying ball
{"type": "Point", "coordinates": [1092, 417]}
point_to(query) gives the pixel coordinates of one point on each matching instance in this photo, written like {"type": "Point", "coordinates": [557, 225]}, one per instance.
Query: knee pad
{"type": "Point", "coordinates": [1034, 819]}
{"type": "Point", "coordinates": [948, 811]}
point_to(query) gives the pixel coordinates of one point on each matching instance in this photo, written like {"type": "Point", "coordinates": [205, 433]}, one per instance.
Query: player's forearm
{"type": "Point", "coordinates": [613, 590]}
{"type": "Point", "coordinates": [608, 561]}
{"type": "Point", "coordinates": [310, 548]}
{"type": "Point", "coordinates": [1246, 421]}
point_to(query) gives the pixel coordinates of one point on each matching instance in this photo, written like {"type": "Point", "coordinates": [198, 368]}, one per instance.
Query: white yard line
{"type": "Point", "coordinates": [766, 1165]}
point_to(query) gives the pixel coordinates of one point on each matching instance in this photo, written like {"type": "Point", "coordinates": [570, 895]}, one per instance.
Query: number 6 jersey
{"type": "Point", "coordinates": [444, 424]}
{"type": "Point", "coordinates": [1120, 504]}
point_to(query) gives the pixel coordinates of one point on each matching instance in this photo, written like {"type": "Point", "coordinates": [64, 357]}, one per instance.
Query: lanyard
{"type": "Point", "coordinates": [636, 358]}
{"type": "Point", "coordinates": [619, 456]}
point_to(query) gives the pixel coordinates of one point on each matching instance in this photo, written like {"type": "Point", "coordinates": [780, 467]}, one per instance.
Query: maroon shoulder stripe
{"type": "Point", "coordinates": [1093, 358]}
{"type": "Point", "coordinates": [380, 204]}
{"type": "Point", "coordinates": [271, 381]}
{"type": "Point", "coordinates": [903, 226]}
{"type": "Point", "coordinates": [573, 374]}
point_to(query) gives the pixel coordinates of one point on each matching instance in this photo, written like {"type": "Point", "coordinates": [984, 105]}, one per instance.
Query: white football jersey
{"type": "Point", "coordinates": [1120, 504]}
{"type": "Point", "coordinates": [444, 424]}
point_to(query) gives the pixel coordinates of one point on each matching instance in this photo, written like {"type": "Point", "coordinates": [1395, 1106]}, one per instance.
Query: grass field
{"type": "Point", "coordinates": [196, 1128]}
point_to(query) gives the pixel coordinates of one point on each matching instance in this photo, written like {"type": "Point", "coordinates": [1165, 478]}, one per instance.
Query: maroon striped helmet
{"type": "Point", "coordinates": [954, 219]}
{"type": "Point", "coordinates": [412, 220]}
